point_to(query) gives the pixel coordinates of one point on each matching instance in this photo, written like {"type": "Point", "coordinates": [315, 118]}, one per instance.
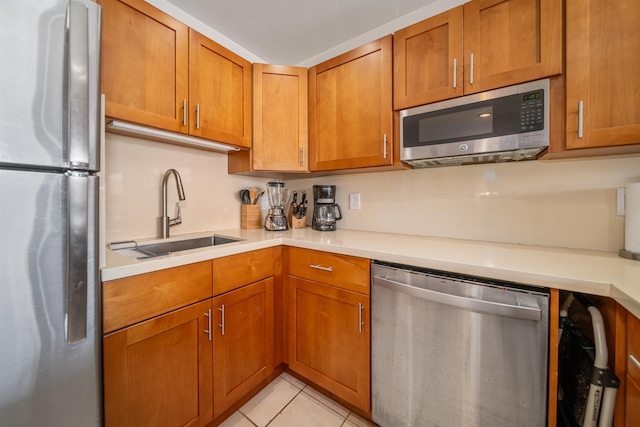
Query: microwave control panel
{"type": "Point", "coordinates": [532, 111]}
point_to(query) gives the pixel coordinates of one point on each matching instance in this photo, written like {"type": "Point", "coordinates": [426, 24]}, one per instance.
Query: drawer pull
{"type": "Point", "coordinates": [319, 267]}
{"type": "Point", "coordinates": [221, 324]}
{"type": "Point", "coordinates": [208, 330]}
{"type": "Point", "coordinates": [634, 360]}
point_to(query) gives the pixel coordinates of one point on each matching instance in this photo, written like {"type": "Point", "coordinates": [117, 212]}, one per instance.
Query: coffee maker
{"type": "Point", "coordinates": [276, 218]}
{"type": "Point", "coordinates": [325, 210]}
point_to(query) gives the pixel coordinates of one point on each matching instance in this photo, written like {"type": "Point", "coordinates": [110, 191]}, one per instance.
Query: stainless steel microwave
{"type": "Point", "coordinates": [506, 124]}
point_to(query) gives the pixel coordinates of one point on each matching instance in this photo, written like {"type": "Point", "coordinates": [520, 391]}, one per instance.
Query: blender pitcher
{"type": "Point", "coordinates": [276, 218]}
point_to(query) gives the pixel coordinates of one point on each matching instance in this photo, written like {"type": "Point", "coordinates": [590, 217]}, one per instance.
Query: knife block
{"type": "Point", "coordinates": [250, 216]}
{"type": "Point", "coordinates": [296, 222]}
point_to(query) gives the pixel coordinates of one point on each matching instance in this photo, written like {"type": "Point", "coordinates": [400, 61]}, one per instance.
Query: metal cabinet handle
{"type": "Point", "coordinates": [471, 68]}
{"type": "Point", "coordinates": [634, 360]}
{"type": "Point", "coordinates": [319, 267]}
{"type": "Point", "coordinates": [302, 156]}
{"type": "Point", "coordinates": [184, 112]}
{"type": "Point", "coordinates": [197, 116]}
{"type": "Point", "coordinates": [360, 322]}
{"type": "Point", "coordinates": [221, 324]}
{"type": "Point", "coordinates": [455, 66]}
{"type": "Point", "coordinates": [580, 119]}
{"type": "Point", "coordinates": [384, 146]}
{"type": "Point", "coordinates": [208, 330]}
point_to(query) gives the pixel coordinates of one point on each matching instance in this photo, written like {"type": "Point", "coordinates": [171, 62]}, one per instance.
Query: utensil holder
{"type": "Point", "coordinates": [250, 216]}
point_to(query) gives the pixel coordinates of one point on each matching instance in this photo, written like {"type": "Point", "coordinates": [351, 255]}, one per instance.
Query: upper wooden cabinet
{"type": "Point", "coordinates": [483, 45]}
{"type": "Point", "coordinates": [219, 92]}
{"type": "Point", "coordinates": [145, 65]}
{"type": "Point", "coordinates": [350, 109]}
{"type": "Point", "coordinates": [427, 60]}
{"type": "Point", "coordinates": [281, 116]}
{"type": "Point", "coordinates": [602, 84]}
{"type": "Point", "coordinates": [157, 72]}
{"type": "Point", "coordinates": [511, 41]}
{"type": "Point", "coordinates": [280, 121]}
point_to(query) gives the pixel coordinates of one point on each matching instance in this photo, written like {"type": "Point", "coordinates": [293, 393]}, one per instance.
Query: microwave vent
{"type": "Point", "coordinates": [472, 159]}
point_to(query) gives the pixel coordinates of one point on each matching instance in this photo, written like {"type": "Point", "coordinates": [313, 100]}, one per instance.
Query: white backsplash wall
{"type": "Point", "coordinates": [550, 203]}
{"type": "Point", "coordinates": [562, 203]}
{"type": "Point", "coordinates": [134, 172]}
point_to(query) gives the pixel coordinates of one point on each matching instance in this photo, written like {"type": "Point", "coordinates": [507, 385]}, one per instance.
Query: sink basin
{"type": "Point", "coordinates": [134, 250]}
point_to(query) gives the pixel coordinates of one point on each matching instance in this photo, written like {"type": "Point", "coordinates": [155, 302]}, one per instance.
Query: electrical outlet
{"type": "Point", "coordinates": [354, 201]}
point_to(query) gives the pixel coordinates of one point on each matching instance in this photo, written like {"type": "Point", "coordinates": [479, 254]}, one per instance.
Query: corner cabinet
{"type": "Point", "coordinates": [482, 45]}
{"type": "Point", "coordinates": [145, 65]}
{"type": "Point", "coordinates": [157, 349]}
{"type": "Point", "coordinates": [350, 109]}
{"type": "Point", "coordinates": [280, 121]}
{"type": "Point", "coordinates": [329, 323]}
{"type": "Point", "coordinates": [602, 84]}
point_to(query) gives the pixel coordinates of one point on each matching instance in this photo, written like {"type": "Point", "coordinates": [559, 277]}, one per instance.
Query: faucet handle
{"type": "Point", "coordinates": [178, 218]}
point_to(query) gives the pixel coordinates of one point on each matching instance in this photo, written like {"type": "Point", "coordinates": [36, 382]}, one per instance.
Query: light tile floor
{"type": "Point", "coordinates": [287, 401]}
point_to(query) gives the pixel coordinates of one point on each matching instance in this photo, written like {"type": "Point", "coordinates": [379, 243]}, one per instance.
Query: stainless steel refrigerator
{"type": "Point", "coordinates": [50, 355]}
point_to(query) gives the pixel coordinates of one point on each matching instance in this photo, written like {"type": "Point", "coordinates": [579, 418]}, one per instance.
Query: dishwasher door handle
{"type": "Point", "coordinates": [508, 310]}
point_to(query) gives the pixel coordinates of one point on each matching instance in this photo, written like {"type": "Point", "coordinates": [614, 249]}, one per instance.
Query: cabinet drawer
{"type": "Point", "coordinates": [133, 299]}
{"type": "Point", "coordinates": [633, 347]}
{"type": "Point", "coordinates": [233, 271]}
{"type": "Point", "coordinates": [343, 271]}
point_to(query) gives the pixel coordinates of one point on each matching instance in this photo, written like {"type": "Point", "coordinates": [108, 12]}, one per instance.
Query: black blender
{"type": "Point", "coordinates": [325, 210]}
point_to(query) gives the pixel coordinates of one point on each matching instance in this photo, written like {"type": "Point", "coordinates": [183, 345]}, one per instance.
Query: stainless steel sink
{"type": "Point", "coordinates": [134, 250]}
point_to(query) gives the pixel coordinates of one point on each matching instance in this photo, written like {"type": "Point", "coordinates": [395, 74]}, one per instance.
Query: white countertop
{"type": "Point", "coordinates": [590, 272]}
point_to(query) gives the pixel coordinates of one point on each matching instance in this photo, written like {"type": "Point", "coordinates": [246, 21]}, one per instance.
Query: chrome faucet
{"type": "Point", "coordinates": [165, 221]}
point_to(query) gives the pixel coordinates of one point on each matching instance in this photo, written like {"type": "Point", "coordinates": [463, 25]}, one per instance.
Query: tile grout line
{"type": "Point", "coordinates": [288, 403]}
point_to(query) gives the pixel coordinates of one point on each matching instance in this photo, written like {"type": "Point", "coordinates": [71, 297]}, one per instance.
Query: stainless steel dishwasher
{"type": "Point", "coordinates": [450, 350]}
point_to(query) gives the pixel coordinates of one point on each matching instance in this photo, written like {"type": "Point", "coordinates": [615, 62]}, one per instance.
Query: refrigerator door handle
{"type": "Point", "coordinates": [78, 268]}
{"type": "Point", "coordinates": [83, 117]}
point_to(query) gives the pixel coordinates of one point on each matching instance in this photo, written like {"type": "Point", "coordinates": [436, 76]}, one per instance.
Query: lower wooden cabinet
{"type": "Point", "coordinates": [159, 372]}
{"type": "Point", "coordinates": [329, 339]}
{"type": "Point", "coordinates": [242, 342]}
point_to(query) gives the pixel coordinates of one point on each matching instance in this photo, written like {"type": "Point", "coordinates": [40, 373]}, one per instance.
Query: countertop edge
{"type": "Point", "coordinates": [590, 272]}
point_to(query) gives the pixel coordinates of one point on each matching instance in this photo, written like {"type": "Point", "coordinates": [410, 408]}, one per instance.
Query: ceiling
{"type": "Point", "coordinates": [288, 32]}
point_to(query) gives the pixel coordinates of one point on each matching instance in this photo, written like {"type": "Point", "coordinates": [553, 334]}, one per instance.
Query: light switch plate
{"type": "Point", "coordinates": [354, 201]}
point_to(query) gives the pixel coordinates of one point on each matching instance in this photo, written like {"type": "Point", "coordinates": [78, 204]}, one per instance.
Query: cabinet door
{"type": "Point", "coordinates": [144, 65]}
{"type": "Point", "coordinates": [632, 406]}
{"type": "Point", "coordinates": [350, 109]}
{"type": "Point", "coordinates": [280, 117]}
{"type": "Point", "coordinates": [219, 92]}
{"type": "Point", "coordinates": [159, 372]}
{"type": "Point", "coordinates": [602, 81]}
{"type": "Point", "coordinates": [511, 41]}
{"type": "Point", "coordinates": [329, 339]}
{"type": "Point", "coordinates": [427, 61]}
{"type": "Point", "coordinates": [243, 342]}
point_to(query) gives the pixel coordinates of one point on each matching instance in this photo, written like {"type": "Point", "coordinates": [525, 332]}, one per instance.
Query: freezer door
{"type": "Point", "coordinates": [49, 83]}
{"type": "Point", "coordinates": [49, 335]}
